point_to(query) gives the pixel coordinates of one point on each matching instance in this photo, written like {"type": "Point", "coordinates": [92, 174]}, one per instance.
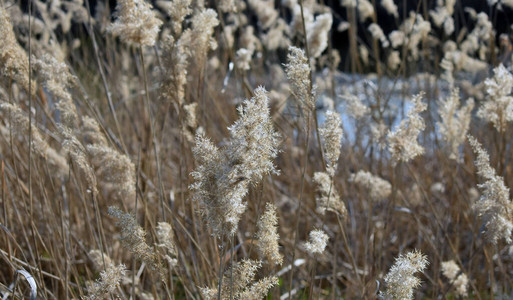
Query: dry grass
{"type": "Point", "coordinates": [185, 151]}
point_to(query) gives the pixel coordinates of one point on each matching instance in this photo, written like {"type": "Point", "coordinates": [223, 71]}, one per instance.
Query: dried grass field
{"type": "Point", "coordinates": [259, 149]}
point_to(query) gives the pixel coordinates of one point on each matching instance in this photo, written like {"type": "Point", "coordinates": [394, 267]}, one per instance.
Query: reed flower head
{"type": "Point", "coordinates": [400, 279]}
{"type": "Point", "coordinates": [498, 109]}
{"type": "Point", "coordinates": [268, 237]}
{"type": "Point", "coordinates": [97, 257]}
{"type": "Point", "coordinates": [402, 143]}
{"type": "Point", "coordinates": [20, 125]}
{"type": "Point", "coordinates": [331, 134]}
{"type": "Point", "coordinates": [14, 61]}
{"type": "Point", "coordinates": [58, 80]}
{"type": "Point", "coordinates": [378, 188]}
{"type": "Point", "coordinates": [298, 73]}
{"type": "Point", "coordinates": [78, 155]}
{"type": "Point", "coordinates": [317, 243]}
{"type": "Point", "coordinates": [133, 238]}
{"type": "Point", "coordinates": [109, 280]}
{"type": "Point", "coordinates": [116, 171]}
{"type": "Point", "coordinates": [390, 7]}
{"type": "Point", "coordinates": [136, 23]}
{"type": "Point", "coordinates": [253, 141]}
{"type": "Point", "coordinates": [327, 197]}
{"type": "Point", "coordinates": [455, 122]}
{"type": "Point", "coordinates": [223, 175]}
{"type": "Point", "coordinates": [265, 12]}
{"type": "Point", "coordinates": [177, 10]}
{"type": "Point", "coordinates": [203, 25]}
{"type": "Point", "coordinates": [219, 198]}
{"type": "Point", "coordinates": [166, 238]}
{"type": "Point", "coordinates": [243, 287]}
{"type": "Point", "coordinates": [354, 106]}
{"type": "Point", "coordinates": [176, 60]}
{"type": "Point", "coordinates": [494, 206]}
{"type": "Point", "coordinates": [459, 280]}
{"type": "Point", "coordinates": [92, 133]}
{"type": "Point", "coordinates": [317, 34]}
{"type": "Point", "coordinates": [377, 33]}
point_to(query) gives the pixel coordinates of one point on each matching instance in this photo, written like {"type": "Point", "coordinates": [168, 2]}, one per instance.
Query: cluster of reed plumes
{"type": "Point", "coordinates": [183, 149]}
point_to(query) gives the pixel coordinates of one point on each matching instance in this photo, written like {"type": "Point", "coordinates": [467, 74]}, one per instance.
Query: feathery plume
{"type": "Point", "coordinates": [331, 134]}
{"type": "Point", "coordinates": [96, 258]}
{"type": "Point", "coordinates": [317, 243]}
{"type": "Point", "coordinates": [455, 122]}
{"type": "Point", "coordinates": [298, 73]}
{"type": "Point", "coordinates": [253, 141]}
{"type": "Point", "coordinates": [365, 10]}
{"type": "Point", "coordinates": [267, 236]}
{"type": "Point", "coordinates": [175, 61]}
{"type": "Point", "coordinates": [317, 34]}
{"type": "Point", "coordinates": [400, 278]}
{"type": "Point", "coordinates": [223, 176]}
{"type": "Point", "coordinates": [243, 286]}
{"type": "Point", "coordinates": [327, 197]}
{"type": "Point", "coordinates": [494, 206]}
{"type": "Point", "coordinates": [354, 106]}
{"type": "Point", "coordinates": [243, 59]}
{"type": "Point", "coordinates": [109, 280]}
{"type": "Point", "coordinates": [136, 23]}
{"type": "Point", "coordinates": [20, 125]}
{"type": "Point", "coordinates": [177, 10]}
{"type": "Point", "coordinates": [203, 24]}
{"type": "Point", "coordinates": [91, 132]}
{"type": "Point", "coordinates": [78, 155]}
{"type": "Point", "coordinates": [166, 238]}
{"type": "Point", "coordinates": [459, 280]}
{"type": "Point", "coordinates": [378, 188]}
{"type": "Point", "coordinates": [402, 143]}
{"type": "Point", "coordinates": [190, 125]}
{"type": "Point", "coordinates": [116, 170]}
{"type": "Point", "coordinates": [498, 109]}
{"type": "Point", "coordinates": [133, 238]}
{"type": "Point", "coordinates": [393, 60]}
{"type": "Point", "coordinates": [377, 33]}
{"type": "Point", "coordinates": [14, 62]}
{"type": "Point", "coordinates": [390, 7]}
{"type": "Point", "coordinates": [58, 80]}
{"type": "Point", "coordinates": [265, 12]}
{"type": "Point", "coordinates": [219, 197]}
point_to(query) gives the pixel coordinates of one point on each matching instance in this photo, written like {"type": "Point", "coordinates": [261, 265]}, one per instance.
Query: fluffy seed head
{"type": "Point", "coordinates": [166, 238]}
{"type": "Point", "coordinates": [459, 280]}
{"type": "Point", "coordinates": [298, 73]}
{"type": "Point", "coordinates": [317, 243]}
{"type": "Point", "coordinates": [498, 109]}
{"type": "Point", "coordinates": [20, 125]}
{"type": "Point", "coordinates": [455, 122]}
{"type": "Point", "coordinates": [223, 176]}
{"type": "Point", "coordinates": [402, 143]}
{"type": "Point", "coordinates": [58, 80]}
{"type": "Point", "coordinates": [243, 286]}
{"type": "Point", "coordinates": [327, 197]}
{"type": "Point", "coordinates": [109, 280]}
{"type": "Point", "coordinates": [136, 23]}
{"type": "Point", "coordinates": [378, 188]}
{"type": "Point", "coordinates": [331, 134]}
{"type": "Point", "coordinates": [317, 34]}
{"type": "Point", "coordinates": [268, 236]}
{"type": "Point", "coordinates": [400, 279]}
{"type": "Point", "coordinates": [133, 238]}
{"type": "Point", "coordinates": [14, 62]}
{"type": "Point", "coordinates": [494, 206]}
